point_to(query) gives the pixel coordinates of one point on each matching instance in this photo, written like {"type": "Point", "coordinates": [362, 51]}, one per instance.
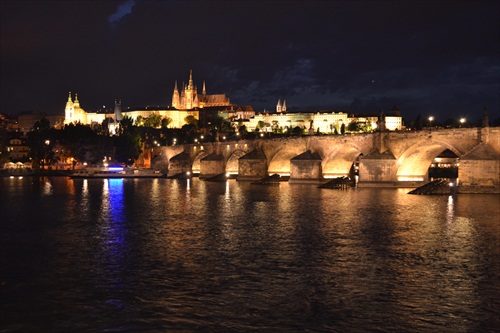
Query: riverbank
{"type": "Point", "coordinates": [34, 173]}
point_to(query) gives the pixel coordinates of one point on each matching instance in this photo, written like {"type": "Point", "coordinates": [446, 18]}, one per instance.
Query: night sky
{"type": "Point", "coordinates": [430, 57]}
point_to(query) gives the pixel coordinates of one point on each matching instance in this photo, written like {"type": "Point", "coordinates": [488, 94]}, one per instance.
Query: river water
{"type": "Point", "coordinates": [163, 255]}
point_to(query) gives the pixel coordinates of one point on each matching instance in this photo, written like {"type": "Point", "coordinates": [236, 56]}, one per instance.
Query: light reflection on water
{"type": "Point", "coordinates": [176, 255]}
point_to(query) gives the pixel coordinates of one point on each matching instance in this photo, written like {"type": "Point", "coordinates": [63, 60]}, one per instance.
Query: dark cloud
{"type": "Point", "coordinates": [425, 56]}
{"type": "Point", "coordinates": [122, 10]}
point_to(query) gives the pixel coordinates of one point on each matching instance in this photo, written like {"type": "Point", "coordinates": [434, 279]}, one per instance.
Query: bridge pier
{"type": "Point", "coordinates": [377, 169]}
{"type": "Point", "coordinates": [479, 171]}
{"type": "Point", "coordinates": [212, 165]}
{"type": "Point", "coordinates": [306, 168]}
{"type": "Point", "coordinates": [252, 166]}
{"type": "Point", "coordinates": [179, 164]}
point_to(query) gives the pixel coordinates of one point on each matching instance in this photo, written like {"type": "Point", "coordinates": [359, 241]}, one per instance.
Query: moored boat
{"type": "Point", "coordinates": [115, 172]}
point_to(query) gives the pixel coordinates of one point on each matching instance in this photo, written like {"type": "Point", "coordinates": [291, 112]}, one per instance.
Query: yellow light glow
{"type": "Point", "coordinates": [410, 179]}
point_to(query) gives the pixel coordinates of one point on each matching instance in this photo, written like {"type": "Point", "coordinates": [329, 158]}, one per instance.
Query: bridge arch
{"type": "Point", "coordinates": [232, 162]}
{"type": "Point", "coordinates": [413, 164]}
{"type": "Point", "coordinates": [196, 167]}
{"type": "Point", "coordinates": [339, 161]}
{"type": "Point", "coordinates": [280, 162]}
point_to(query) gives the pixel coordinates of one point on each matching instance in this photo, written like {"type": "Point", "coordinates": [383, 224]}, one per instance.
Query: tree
{"type": "Point", "coordinates": [220, 125]}
{"type": "Point", "coordinates": [104, 130]}
{"type": "Point", "coordinates": [242, 129]}
{"type": "Point", "coordinates": [297, 130]}
{"type": "Point", "coordinates": [418, 123]}
{"type": "Point", "coordinates": [76, 141]}
{"type": "Point", "coordinates": [260, 125]}
{"type": "Point", "coordinates": [165, 122]}
{"type": "Point", "coordinates": [127, 148]}
{"type": "Point", "coordinates": [154, 120]}
{"type": "Point", "coordinates": [139, 121]}
{"type": "Point", "coordinates": [126, 125]}
{"type": "Point", "coordinates": [41, 144]}
{"type": "Point", "coordinates": [188, 132]}
{"type": "Point", "coordinates": [353, 127]}
{"type": "Point", "coordinates": [191, 120]}
{"type": "Point", "coordinates": [342, 129]}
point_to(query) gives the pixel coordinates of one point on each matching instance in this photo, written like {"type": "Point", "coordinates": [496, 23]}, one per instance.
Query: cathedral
{"type": "Point", "coordinates": [188, 98]}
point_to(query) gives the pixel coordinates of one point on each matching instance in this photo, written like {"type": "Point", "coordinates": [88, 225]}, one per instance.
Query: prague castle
{"type": "Point", "coordinates": [184, 103]}
{"type": "Point", "coordinates": [188, 102]}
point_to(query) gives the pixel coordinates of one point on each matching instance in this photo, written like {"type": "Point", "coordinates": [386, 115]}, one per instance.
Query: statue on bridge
{"type": "Point", "coordinates": [381, 122]}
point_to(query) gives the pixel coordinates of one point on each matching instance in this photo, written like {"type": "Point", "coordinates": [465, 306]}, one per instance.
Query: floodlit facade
{"type": "Point", "coordinates": [326, 122]}
{"type": "Point", "coordinates": [186, 102]}
{"type": "Point", "coordinates": [323, 122]}
{"type": "Point", "coordinates": [188, 98]}
{"type": "Point", "coordinates": [74, 113]}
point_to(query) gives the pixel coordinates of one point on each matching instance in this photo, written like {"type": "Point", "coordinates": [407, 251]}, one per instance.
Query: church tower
{"type": "Point", "coordinates": [73, 113]}
{"type": "Point", "coordinates": [278, 106]}
{"type": "Point", "coordinates": [283, 107]}
{"type": "Point", "coordinates": [175, 97]}
{"type": "Point", "coordinates": [76, 103]}
{"type": "Point", "coordinates": [118, 111]}
{"type": "Point", "coordinates": [69, 111]}
{"type": "Point", "coordinates": [190, 94]}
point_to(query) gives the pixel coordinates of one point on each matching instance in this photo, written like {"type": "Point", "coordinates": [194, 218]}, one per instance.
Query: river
{"type": "Point", "coordinates": [164, 255]}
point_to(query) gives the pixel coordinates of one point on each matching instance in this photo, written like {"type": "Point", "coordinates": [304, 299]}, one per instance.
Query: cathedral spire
{"type": "Point", "coordinates": [69, 97]}
{"type": "Point", "coordinates": [204, 90]}
{"type": "Point", "coordinates": [175, 97]}
{"type": "Point", "coordinates": [190, 84]}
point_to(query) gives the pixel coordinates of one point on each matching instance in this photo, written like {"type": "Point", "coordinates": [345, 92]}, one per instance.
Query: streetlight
{"type": "Point", "coordinates": [431, 118]}
{"type": "Point", "coordinates": [462, 121]}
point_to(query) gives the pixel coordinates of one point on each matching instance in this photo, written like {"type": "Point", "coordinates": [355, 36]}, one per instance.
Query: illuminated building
{"type": "Point", "coordinates": [281, 107]}
{"type": "Point", "coordinates": [393, 120]}
{"type": "Point", "coordinates": [188, 98]}
{"type": "Point", "coordinates": [184, 103]}
{"type": "Point", "coordinates": [74, 113]}
{"type": "Point", "coordinates": [324, 122]}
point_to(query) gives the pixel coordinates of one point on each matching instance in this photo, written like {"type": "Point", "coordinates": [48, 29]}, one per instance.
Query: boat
{"type": "Point", "coordinates": [115, 172]}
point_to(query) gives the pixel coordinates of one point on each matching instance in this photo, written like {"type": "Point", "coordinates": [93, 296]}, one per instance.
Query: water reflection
{"type": "Point", "coordinates": [47, 186]}
{"type": "Point", "coordinates": [112, 214]}
{"type": "Point", "coordinates": [177, 255]}
{"type": "Point", "coordinates": [450, 215]}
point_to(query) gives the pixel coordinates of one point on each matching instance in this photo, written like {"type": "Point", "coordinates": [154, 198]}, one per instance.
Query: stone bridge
{"type": "Point", "coordinates": [394, 159]}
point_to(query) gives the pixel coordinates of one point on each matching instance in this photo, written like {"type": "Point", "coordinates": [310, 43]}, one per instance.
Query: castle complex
{"type": "Point", "coordinates": [188, 102]}
{"type": "Point", "coordinates": [184, 103]}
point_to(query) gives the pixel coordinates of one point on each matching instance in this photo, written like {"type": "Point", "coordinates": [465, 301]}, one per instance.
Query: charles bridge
{"type": "Point", "coordinates": [382, 159]}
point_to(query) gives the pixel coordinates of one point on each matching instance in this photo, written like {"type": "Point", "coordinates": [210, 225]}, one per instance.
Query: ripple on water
{"type": "Point", "coordinates": [158, 255]}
